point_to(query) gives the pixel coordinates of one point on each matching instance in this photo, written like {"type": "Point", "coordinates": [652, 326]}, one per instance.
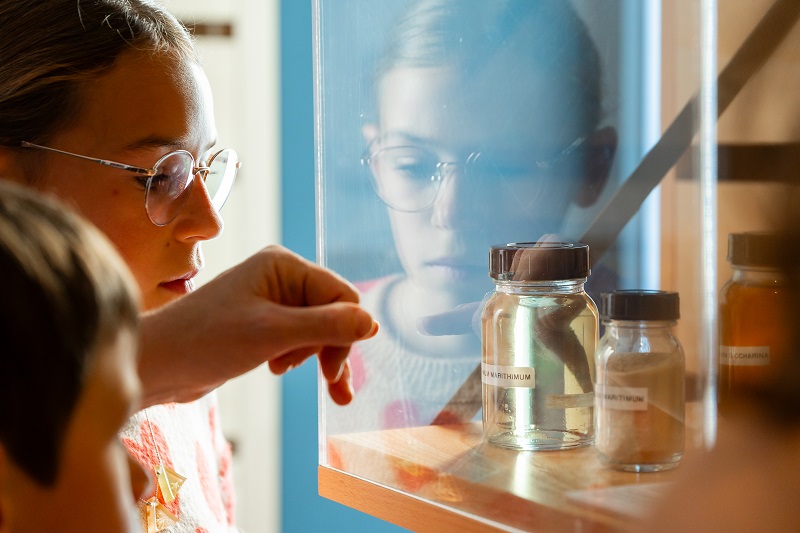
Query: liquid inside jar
{"type": "Point", "coordinates": [551, 341]}
{"type": "Point", "coordinates": [640, 424]}
{"type": "Point", "coordinates": [752, 335]}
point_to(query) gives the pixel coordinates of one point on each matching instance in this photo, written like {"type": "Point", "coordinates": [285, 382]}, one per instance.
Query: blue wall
{"type": "Point", "coordinates": [303, 510]}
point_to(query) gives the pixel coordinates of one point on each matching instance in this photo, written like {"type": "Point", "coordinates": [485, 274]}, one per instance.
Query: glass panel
{"type": "Point", "coordinates": [445, 127]}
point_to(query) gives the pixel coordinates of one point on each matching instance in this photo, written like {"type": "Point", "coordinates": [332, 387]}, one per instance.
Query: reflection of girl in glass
{"type": "Point", "coordinates": [488, 129]}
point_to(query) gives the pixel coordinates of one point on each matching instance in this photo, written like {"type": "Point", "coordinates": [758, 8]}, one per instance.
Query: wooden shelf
{"type": "Point", "coordinates": [444, 478]}
{"type": "Point", "coordinates": [394, 506]}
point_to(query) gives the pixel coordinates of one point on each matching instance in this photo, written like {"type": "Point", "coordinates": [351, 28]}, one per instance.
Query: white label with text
{"type": "Point", "coordinates": [622, 398]}
{"type": "Point", "coordinates": [508, 376]}
{"type": "Point", "coordinates": [744, 355]}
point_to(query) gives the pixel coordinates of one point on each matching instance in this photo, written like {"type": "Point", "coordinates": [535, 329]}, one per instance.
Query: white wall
{"type": "Point", "coordinates": [243, 70]}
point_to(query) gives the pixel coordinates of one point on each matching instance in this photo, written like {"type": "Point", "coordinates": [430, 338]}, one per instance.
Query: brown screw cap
{"type": "Point", "coordinates": [539, 261]}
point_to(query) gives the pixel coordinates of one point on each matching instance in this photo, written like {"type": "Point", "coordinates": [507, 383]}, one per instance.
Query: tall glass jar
{"type": "Point", "coordinates": [752, 333]}
{"type": "Point", "coordinates": [640, 382]}
{"type": "Point", "coordinates": [539, 333]}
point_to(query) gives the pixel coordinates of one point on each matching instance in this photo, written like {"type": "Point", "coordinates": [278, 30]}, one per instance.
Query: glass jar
{"type": "Point", "coordinates": [640, 396]}
{"type": "Point", "coordinates": [752, 334]}
{"type": "Point", "coordinates": [538, 333]}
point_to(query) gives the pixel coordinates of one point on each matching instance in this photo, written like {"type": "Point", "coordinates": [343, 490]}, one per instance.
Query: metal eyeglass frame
{"type": "Point", "coordinates": [442, 166]}
{"type": "Point", "coordinates": [149, 172]}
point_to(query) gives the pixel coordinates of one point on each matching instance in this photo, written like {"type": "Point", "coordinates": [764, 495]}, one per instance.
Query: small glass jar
{"type": "Point", "coordinates": [640, 393]}
{"type": "Point", "coordinates": [538, 333]}
{"type": "Point", "coordinates": [752, 333]}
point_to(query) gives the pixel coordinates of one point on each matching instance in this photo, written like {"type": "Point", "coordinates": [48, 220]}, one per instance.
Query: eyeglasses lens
{"type": "Point", "coordinates": [219, 180]}
{"type": "Point", "coordinates": [405, 177]}
{"type": "Point", "coordinates": [408, 178]}
{"type": "Point", "coordinates": [167, 190]}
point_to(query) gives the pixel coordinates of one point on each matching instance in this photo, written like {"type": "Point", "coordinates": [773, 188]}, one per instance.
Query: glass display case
{"type": "Point", "coordinates": [447, 127]}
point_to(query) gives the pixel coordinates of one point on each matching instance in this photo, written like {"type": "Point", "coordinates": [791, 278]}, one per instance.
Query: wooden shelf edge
{"type": "Point", "coordinates": [394, 506]}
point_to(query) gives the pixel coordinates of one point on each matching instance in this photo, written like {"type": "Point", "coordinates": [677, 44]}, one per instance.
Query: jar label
{"type": "Point", "coordinates": [622, 398]}
{"type": "Point", "coordinates": [508, 376]}
{"type": "Point", "coordinates": [744, 355]}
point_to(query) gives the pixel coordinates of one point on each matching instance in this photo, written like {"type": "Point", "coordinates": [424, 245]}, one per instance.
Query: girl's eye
{"type": "Point", "coordinates": [508, 171]}
{"type": "Point", "coordinates": [408, 163]}
{"type": "Point", "coordinates": [415, 170]}
{"type": "Point", "coordinates": [159, 181]}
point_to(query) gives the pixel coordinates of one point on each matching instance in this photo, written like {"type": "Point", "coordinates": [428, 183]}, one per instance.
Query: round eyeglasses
{"type": "Point", "coordinates": [407, 178]}
{"type": "Point", "coordinates": [168, 183]}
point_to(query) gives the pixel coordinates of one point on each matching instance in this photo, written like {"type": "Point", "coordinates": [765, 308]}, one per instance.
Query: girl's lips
{"type": "Point", "coordinates": [456, 270]}
{"type": "Point", "coordinates": [460, 264]}
{"type": "Point", "coordinates": [179, 286]}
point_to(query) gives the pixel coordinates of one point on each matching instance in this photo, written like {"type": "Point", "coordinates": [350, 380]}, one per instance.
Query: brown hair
{"type": "Point", "coordinates": [66, 295]}
{"type": "Point", "coordinates": [49, 49]}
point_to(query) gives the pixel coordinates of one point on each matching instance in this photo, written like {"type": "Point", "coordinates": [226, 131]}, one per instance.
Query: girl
{"type": "Point", "coordinates": [104, 104]}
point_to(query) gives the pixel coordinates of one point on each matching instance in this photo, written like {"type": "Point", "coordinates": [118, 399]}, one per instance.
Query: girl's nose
{"type": "Point", "coordinates": [198, 221]}
{"type": "Point", "coordinates": [458, 200]}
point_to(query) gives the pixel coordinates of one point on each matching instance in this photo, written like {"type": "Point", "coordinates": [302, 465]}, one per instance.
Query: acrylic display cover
{"type": "Point", "coordinates": [444, 127]}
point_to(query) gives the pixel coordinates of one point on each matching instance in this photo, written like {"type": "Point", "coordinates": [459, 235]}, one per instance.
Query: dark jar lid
{"type": "Point", "coordinates": [757, 249]}
{"type": "Point", "coordinates": [539, 261]}
{"type": "Point", "coordinates": [640, 305]}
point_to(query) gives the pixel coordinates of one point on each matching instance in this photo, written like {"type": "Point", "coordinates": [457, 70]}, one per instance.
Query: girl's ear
{"type": "Point", "coordinates": [599, 150]}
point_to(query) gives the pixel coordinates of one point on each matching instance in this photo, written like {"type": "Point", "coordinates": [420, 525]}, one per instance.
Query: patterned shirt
{"type": "Point", "coordinates": [188, 439]}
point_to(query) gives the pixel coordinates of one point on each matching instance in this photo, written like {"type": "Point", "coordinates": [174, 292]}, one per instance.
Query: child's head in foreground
{"type": "Point", "coordinates": [68, 379]}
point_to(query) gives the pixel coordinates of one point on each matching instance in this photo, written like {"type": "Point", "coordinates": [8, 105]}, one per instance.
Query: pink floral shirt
{"type": "Point", "coordinates": [189, 440]}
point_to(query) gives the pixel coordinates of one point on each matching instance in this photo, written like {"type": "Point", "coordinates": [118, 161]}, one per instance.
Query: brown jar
{"type": "Point", "coordinates": [752, 334]}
